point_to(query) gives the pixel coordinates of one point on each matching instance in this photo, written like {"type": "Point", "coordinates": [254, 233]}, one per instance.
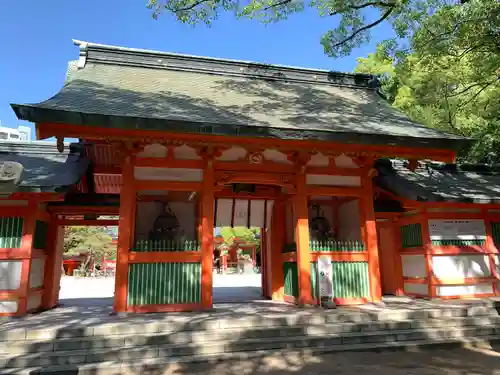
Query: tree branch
{"type": "Point", "coordinates": [365, 5]}
{"type": "Point", "coordinates": [277, 4]}
{"type": "Point", "coordinates": [189, 7]}
{"type": "Point", "coordinates": [364, 28]}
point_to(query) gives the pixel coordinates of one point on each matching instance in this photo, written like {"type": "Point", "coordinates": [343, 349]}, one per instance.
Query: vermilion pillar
{"type": "Point", "coordinates": [302, 240]}
{"type": "Point", "coordinates": [126, 226]}
{"type": "Point", "coordinates": [278, 224]}
{"type": "Point", "coordinates": [207, 235]}
{"type": "Point", "coordinates": [27, 250]}
{"type": "Point", "coordinates": [370, 236]}
{"type": "Point", "coordinates": [53, 265]}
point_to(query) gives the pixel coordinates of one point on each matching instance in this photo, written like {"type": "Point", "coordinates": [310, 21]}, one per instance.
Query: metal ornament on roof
{"type": "Point", "coordinates": [166, 225]}
{"type": "Point", "coordinates": [320, 227]}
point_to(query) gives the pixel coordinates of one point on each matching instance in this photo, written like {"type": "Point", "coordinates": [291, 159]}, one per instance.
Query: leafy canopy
{"type": "Point", "coordinates": [449, 77]}
{"type": "Point", "coordinates": [354, 18]}
{"type": "Point", "coordinates": [95, 241]}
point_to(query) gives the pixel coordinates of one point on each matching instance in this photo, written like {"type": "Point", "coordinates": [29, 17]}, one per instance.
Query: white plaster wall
{"type": "Point", "coordinates": [185, 152]}
{"type": "Point", "coordinates": [168, 174]}
{"type": "Point", "coordinates": [8, 306]}
{"type": "Point", "coordinates": [464, 290]}
{"type": "Point", "coordinates": [461, 266]}
{"type": "Point", "coordinates": [414, 266]}
{"type": "Point", "coordinates": [416, 288]}
{"type": "Point", "coordinates": [497, 264]}
{"type": "Point", "coordinates": [319, 160]}
{"type": "Point", "coordinates": [276, 156]}
{"type": "Point", "coordinates": [147, 212]}
{"type": "Point", "coordinates": [349, 222]}
{"type": "Point", "coordinates": [36, 273]}
{"type": "Point", "coordinates": [34, 301]}
{"type": "Point", "coordinates": [154, 150]}
{"type": "Point", "coordinates": [319, 179]}
{"type": "Point", "coordinates": [233, 154]}
{"type": "Point", "coordinates": [10, 274]}
{"type": "Point", "coordinates": [343, 161]}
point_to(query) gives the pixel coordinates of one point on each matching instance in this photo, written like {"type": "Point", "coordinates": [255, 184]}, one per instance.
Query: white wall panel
{"type": "Point", "coordinates": [414, 266]}
{"type": "Point", "coordinates": [464, 290]}
{"type": "Point", "coordinates": [416, 288]}
{"type": "Point", "coordinates": [461, 266]}
{"type": "Point", "coordinates": [10, 274]}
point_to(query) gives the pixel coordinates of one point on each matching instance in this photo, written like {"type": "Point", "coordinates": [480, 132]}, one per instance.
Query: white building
{"type": "Point", "coordinates": [21, 133]}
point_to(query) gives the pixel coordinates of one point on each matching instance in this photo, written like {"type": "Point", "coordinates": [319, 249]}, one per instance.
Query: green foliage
{"type": "Point", "coordinates": [92, 240]}
{"type": "Point", "coordinates": [249, 235]}
{"type": "Point", "coordinates": [355, 17]}
{"type": "Point", "coordinates": [449, 79]}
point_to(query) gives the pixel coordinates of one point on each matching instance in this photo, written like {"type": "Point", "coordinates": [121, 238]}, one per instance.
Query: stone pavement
{"type": "Point", "coordinates": [457, 361]}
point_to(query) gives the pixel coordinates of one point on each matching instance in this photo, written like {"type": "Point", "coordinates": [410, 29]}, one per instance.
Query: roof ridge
{"type": "Point", "coordinates": [102, 53]}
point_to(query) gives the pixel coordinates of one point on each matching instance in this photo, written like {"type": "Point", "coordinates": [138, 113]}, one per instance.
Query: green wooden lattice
{"type": "Point", "coordinates": [164, 283]}
{"type": "Point", "coordinates": [291, 274]}
{"type": "Point", "coordinates": [350, 280]}
{"type": "Point", "coordinates": [411, 235]}
{"type": "Point", "coordinates": [11, 232]}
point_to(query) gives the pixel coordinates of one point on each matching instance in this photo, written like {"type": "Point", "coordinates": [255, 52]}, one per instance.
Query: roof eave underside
{"type": "Point", "coordinates": [37, 114]}
{"type": "Point", "coordinates": [412, 191]}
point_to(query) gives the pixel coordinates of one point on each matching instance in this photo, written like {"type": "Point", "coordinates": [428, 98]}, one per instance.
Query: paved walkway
{"type": "Point", "coordinates": [435, 362]}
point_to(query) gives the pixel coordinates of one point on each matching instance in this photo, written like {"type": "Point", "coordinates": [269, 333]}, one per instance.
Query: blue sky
{"type": "Point", "coordinates": [35, 41]}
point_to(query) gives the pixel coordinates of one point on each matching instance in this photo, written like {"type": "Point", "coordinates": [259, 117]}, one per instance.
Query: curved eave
{"type": "Point", "coordinates": [37, 114]}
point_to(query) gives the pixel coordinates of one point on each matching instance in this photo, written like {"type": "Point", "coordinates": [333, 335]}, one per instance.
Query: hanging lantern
{"type": "Point", "coordinates": [166, 225]}
{"type": "Point", "coordinates": [320, 227]}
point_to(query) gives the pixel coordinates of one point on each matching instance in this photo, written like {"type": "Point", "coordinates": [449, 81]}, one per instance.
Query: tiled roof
{"type": "Point", "coordinates": [127, 88]}
{"type": "Point", "coordinates": [45, 169]}
{"type": "Point", "coordinates": [435, 182]}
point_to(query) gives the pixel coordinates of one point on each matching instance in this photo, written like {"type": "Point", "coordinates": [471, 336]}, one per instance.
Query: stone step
{"type": "Point", "coordinates": [157, 323]}
{"type": "Point", "coordinates": [168, 350]}
{"type": "Point", "coordinates": [120, 340]}
{"type": "Point", "coordinates": [159, 365]}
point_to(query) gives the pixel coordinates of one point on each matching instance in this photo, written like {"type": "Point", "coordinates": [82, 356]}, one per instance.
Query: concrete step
{"type": "Point", "coordinates": [169, 350]}
{"type": "Point", "coordinates": [100, 340]}
{"type": "Point", "coordinates": [159, 365]}
{"type": "Point", "coordinates": [157, 323]}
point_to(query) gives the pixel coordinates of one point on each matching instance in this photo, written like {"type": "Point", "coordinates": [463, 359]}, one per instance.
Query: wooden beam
{"type": "Point", "coordinates": [165, 257]}
{"type": "Point", "coordinates": [145, 185]}
{"type": "Point", "coordinates": [334, 191]}
{"type": "Point", "coordinates": [84, 210]}
{"type": "Point", "coordinates": [47, 130]}
{"type": "Point", "coordinates": [76, 222]}
{"type": "Point", "coordinates": [169, 163]}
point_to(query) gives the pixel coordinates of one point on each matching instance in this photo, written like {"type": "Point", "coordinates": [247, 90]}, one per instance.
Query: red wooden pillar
{"type": "Point", "coordinates": [207, 235]}
{"type": "Point", "coordinates": [53, 265]}
{"type": "Point", "coordinates": [492, 251]}
{"type": "Point", "coordinates": [369, 226]}
{"type": "Point", "coordinates": [27, 251]}
{"type": "Point", "coordinates": [126, 227]}
{"type": "Point", "coordinates": [302, 241]}
{"type": "Point", "coordinates": [427, 245]}
{"type": "Point", "coordinates": [277, 242]}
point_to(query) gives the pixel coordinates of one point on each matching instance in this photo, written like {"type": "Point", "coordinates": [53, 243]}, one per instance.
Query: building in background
{"type": "Point", "coordinates": [21, 133]}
